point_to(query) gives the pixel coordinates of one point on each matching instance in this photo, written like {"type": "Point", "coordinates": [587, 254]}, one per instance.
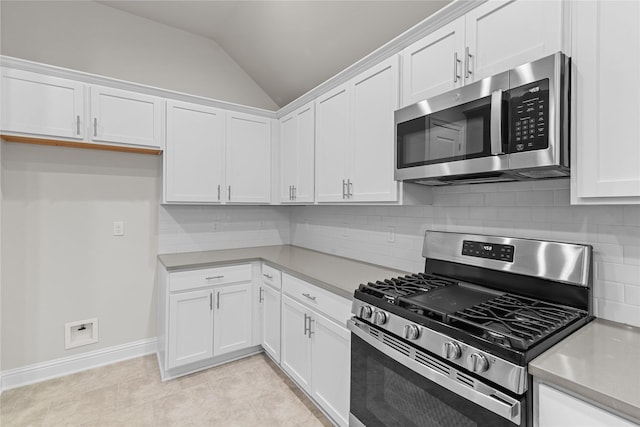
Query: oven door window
{"type": "Point", "coordinates": [458, 133]}
{"type": "Point", "coordinates": [386, 393]}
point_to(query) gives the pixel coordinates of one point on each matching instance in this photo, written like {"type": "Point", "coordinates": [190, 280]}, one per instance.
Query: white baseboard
{"type": "Point", "coordinates": [38, 372]}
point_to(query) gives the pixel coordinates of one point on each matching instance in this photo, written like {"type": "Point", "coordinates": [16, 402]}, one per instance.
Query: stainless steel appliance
{"type": "Point", "coordinates": [450, 346]}
{"type": "Point", "coordinates": [512, 126]}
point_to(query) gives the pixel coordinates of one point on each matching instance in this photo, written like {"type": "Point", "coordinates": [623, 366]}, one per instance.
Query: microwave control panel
{"type": "Point", "coordinates": [529, 117]}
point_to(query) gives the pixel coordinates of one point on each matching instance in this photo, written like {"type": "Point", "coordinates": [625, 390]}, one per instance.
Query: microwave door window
{"type": "Point", "coordinates": [458, 133]}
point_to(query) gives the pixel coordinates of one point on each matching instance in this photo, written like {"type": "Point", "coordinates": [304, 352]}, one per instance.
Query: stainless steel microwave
{"type": "Point", "coordinates": [511, 126]}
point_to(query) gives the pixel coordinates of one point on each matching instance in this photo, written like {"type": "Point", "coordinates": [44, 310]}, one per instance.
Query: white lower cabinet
{"type": "Point", "coordinates": [232, 319]}
{"type": "Point", "coordinates": [559, 409]}
{"type": "Point", "coordinates": [316, 350]}
{"type": "Point", "coordinates": [190, 327]}
{"type": "Point", "coordinates": [270, 298]}
{"type": "Point", "coordinates": [205, 317]}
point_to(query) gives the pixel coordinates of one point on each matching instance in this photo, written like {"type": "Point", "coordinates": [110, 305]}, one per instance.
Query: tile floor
{"type": "Point", "coordinates": [248, 392]}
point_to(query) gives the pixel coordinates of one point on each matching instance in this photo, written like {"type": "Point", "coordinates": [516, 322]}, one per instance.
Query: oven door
{"type": "Point", "coordinates": [457, 133]}
{"type": "Point", "coordinates": [395, 384]}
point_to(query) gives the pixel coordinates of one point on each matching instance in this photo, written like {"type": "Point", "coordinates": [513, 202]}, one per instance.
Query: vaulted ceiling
{"type": "Point", "coordinates": [289, 47]}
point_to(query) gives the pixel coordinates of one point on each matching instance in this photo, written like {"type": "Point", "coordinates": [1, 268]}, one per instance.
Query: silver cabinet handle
{"type": "Point", "coordinates": [218, 301]}
{"type": "Point", "coordinates": [229, 197]}
{"type": "Point", "coordinates": [456, 61]}
{"type": "Point", "coordinates": [291, 192]}
{"type": "Point", "coordinates": [344, 192]}
{"type": "Point", "coordinates": [311, 297]}
{"type": "Point", "coordinates": [268, 276]}
{"type": "Point", "coordinates": [77, 125]}
{"type": "Point", "coordinates": [214, 277]}
{"type": "Point", "coordinates": [467, 62]}
{"type": "Point", "coordinates": [295, 192]}
{"type": "Point", "coordinates": [261, 294]}
{"type": "Point", "coordinates": [218, 192]}
{"type": "Point", "coordinates": [211, 301]}
{"type": "Point", "coordinates": [305, 323]}
{"type": "Point", "coordinates": [95, 126]}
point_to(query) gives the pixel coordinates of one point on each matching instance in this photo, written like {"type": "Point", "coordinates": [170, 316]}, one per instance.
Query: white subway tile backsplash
{"type": "Point", "coordinates": [631, 254]}
{"type": "Point", "coordinates": [539, 210]}
{"type": "Point", "coordinates": [535, 198]}
{"type": "Point", "coordinates": [619, 273]}
{"type": "Point", "coordinates": [500, 199]}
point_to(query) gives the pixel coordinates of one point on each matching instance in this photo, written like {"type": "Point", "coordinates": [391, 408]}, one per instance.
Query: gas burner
{"type": "Point", "coordinates": [514, 321]}
{"type": "Point", "coordinates": [391, 289]}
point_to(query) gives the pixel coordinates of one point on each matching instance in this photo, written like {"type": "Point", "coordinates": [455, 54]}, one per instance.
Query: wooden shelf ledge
{"type": "Point", "coordinates": [73, 144]}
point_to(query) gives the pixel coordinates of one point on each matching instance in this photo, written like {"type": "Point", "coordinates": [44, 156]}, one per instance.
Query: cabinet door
{"type": "Point", "coordinates": [557, 409]}
{"type": "Point", "coordinates": [248, 158]}
{"type": "Point", "coordinates": [233, 317]}
{"type": "Point", "coordinates": [434, 64]}
{"type": "Point", "coordinates": [194, 154]}
{"type": "Point", "coordinates": [331, 367]}
{"type": "Point", "coordinates": [288, 156]}
{"type": "Point", "coordinates": [332, 137]}
{"type": "Point", "coordinates": [606, 64]}
{"type": "Point", "coordinates": [375, 98]}
{"type": "Point", "coordinates": [42, 105]}
{"type": "Point", "coordinates": [190, 327]}
{"type": "Point", "coordinates": [503, 34]}
{"type": "Point", "coordinates": [271, 321]}
{"type": "Point", "coordinates": [305, 156]}
{"type": "Point", "coordinates": [296, 345]}
{"type": "Point", "coordinates": [123, 117]}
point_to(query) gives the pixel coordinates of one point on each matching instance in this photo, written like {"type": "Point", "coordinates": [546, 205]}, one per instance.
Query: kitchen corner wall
{"type": "Point", "coordinates": [200, 228]}
{"type": "Point", "coordinates": [539, 210]}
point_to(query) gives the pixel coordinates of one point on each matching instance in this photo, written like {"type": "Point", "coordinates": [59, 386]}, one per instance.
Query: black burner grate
{"type": "Point", "coordinates": [514, 321]}
{"type": "Point", "coordinates": [391, 289]}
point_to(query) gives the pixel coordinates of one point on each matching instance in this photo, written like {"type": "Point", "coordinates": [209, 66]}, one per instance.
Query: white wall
{"type": "Point", "coordinates": [202, 228]}
{"type": "Point", "coordinates": [91, 37]}
{"type": "Point", "coordinates": [535, 210]}
{"type": "Point", "coordinates": [61, 262]}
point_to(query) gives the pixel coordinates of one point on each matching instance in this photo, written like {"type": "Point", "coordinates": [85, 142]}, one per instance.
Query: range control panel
{"type": "Point", "coordinates": [529, 117]}
{"type": "Point", "coordinates": [488, 250]}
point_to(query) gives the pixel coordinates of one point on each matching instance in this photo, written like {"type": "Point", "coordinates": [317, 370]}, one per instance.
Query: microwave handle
{"type": "Point", "coordinates": [496, 123]}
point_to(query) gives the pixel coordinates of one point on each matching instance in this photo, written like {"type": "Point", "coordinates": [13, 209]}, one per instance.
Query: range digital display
{"type": "Point", "coordinates": [488, 250]}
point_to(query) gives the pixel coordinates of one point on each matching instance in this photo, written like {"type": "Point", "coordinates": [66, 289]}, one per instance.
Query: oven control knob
{"type": "Point", "coordinates": [451, 350]}
{"type": "Point", "coordinates": [366, 312]}
{"type": "Point", "coordinates": [478, 363]}
{"type": "Point", "coordinates": [379, 317]}
{"type": "Point", "coordinates": [411, 332]}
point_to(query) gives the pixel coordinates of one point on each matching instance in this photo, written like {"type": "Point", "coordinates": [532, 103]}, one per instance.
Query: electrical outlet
{"type": "Point", "coordinates": [391, 234]}
{"type": "Point", "coordinates": [118, 228]}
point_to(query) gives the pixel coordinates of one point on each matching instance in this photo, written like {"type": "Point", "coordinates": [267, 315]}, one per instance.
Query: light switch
{"type": "Point", "coordinates": [118, 228]}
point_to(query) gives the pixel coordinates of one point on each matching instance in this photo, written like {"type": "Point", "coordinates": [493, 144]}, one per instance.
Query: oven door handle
{"type": "Point", "coordinates": [480, 393]}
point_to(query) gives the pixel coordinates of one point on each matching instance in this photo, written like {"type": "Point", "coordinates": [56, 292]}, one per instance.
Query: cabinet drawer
{"type": "Point", "coordinates": [183, 280]}
{"type": "Point", "coordinates": [271, 276]}
{"type": "Point", "coordinates": [323, 301]}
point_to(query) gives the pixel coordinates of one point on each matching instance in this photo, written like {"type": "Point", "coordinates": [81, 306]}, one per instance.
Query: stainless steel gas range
{"type": "Point", "coordinates": [450, 346]}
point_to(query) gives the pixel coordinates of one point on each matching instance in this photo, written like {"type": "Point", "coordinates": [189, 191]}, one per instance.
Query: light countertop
{"type": "Point", "coordinates": [335, 274]}
{"type": "Point", "coordinates": [600, 361]}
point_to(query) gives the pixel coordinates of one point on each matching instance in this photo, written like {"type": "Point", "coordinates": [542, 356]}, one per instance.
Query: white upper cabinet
{"type": "Point", "coordinates": [297, 142]}
{"type": "Point", "coordinates": [332, 139]}
{"type": "Point", "coordinates": [434, 64]}
{"type": "Point", "coordinates": [503, 34]}
{"type": "Point", "coordinates": [194, 154]}
{"type": "Point", "coordinates": [123, 117]}
{"type": "Point", "coordinates": [375, 98]}
{"type": "Point", "coordinates": [42, 106]}
{"type": "Point", "coordinates": [248, 158]}
{"type": "Point", "coordinates": [493, 37]}
{"type": "Point", "coordinates": [354, 138]}
{"type": "Point", "coordinates": [605, 162]}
